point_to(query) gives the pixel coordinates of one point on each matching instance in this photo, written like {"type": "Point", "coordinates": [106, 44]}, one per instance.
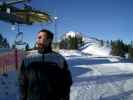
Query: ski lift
{"type": "Point", "coordinates": [27, 15]}
{"type": "Point", "coordinates": [19, 38]}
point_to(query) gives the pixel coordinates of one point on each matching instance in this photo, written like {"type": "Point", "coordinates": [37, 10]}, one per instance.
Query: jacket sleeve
{"type": "Point", "coordinates": [67, 74]}
{"type": "Point", "coordinates": [23, 82]}
{"type": "Point", "coordinates": [67, 81]}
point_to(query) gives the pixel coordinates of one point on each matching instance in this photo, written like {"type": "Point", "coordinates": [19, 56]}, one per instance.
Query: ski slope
{"type": "Point", "coordinates": [93, 46]}
{"type": "Point", "coordinates": [95, 78]}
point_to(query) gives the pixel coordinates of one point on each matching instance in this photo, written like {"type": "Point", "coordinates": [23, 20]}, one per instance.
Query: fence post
{"type": "Point", "coordinates": [16, 59]}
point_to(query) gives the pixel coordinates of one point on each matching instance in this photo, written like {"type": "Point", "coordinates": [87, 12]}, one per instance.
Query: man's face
{"type": "Point", "coordinates": [42, 41]}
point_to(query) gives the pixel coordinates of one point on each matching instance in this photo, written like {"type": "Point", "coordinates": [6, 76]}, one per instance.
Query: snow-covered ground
{"type": "Point", "coordinates": [93, 46]}
{"type": "Point", "coordinates": [9, 86]}
{"type": "Point", "coordinates": [100, 78]}
{"type": "Point", "coordinates": [95, 78]}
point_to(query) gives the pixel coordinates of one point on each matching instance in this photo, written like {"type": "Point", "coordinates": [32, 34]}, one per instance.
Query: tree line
{"type": "Point", "coordinates": [71, 42]}
{"type": "Point", "coordinates": [119, 48]}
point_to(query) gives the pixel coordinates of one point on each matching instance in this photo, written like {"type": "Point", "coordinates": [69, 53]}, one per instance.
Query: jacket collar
{"type": "Point", "coordinates": [45, 51]}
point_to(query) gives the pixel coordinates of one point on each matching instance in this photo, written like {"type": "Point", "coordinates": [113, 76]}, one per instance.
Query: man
{"type": "Point", "coordinates": [44, 74]}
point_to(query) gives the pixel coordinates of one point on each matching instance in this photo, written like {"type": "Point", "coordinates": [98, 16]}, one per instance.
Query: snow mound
{"type": "Point", "coordinates": [70, 53]}
{"type": "Point", "coordinates": [97, 50]}
{"type": "Point", "coordinates": [114, 58]}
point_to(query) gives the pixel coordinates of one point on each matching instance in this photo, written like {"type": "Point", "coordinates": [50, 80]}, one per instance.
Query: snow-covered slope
{"type": "Point", "coordinates": [71, 53]}
{"type": "Point", "coordinates": [97, 50]}
{"type": "Point", "coordinates": [93, 46]}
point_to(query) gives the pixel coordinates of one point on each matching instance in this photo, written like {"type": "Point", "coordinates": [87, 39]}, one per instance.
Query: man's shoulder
{"type": "Point", "coordinates": [32, 53]}
{"type": "Point", "coordinates": [34, 56]}
{"type": "Point", "coordinates": [31, 56]}
{"type": "Point", "coordinates": [58, 55]}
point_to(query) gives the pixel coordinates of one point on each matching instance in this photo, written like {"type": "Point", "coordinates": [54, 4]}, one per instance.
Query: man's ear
{"type": "Point", "coordinates": [50, 40]}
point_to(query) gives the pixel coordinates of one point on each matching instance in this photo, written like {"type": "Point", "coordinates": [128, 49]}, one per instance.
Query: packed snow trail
{"type": "Point", "coordinates": [98, 78]}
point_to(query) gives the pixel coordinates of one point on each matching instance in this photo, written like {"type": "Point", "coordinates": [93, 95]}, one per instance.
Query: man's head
{"type": "Point", "coordinates": [44, 39]}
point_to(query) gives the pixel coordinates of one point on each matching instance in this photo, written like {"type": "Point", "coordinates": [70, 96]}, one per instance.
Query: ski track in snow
{"type": "Point", "coordinates": [95, 78]}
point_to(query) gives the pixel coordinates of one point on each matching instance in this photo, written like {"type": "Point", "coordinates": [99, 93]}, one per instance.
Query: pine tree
{"type": "Point", "coordinates": [3, 42]}
{"type": "Point", "coordinates": [130, 50]}
{"type": "Point", "coordinates": [71, 43]}
{"type": "Point", "coordinates": [13, 46]}
{"type": "Point", "coordinates": [108, 43]}
{"type": "Point", "coordinates": [130, 53]}
{"type": "Point", "coordinates": [102, 43]}
{"type": "Point", "coordinates": [63, 44]}
{"type": "Point", "coordinates": [27, 47]}
{"type": "Point", "coordinates": [118, 48]}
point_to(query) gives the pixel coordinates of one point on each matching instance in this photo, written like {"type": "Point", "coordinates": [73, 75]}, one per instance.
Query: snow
{"type": "Point", "coordinates": [70, 53]}
{"type": "Point", "coordinates": [97, 50]}
{"type": "Point", "coordinates": [9, 86]}
{"type": "Point", "coordinates": [93, 46]}
{"type": "Point", "coordinates": [95, 78]}
{"type": "Point", "coordinates": [98, 78]}
{"type": "Point", "coordinates": [72, 34]}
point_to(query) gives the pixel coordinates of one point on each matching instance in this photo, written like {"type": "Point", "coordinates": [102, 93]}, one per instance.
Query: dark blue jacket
{"type": "Point", "coordinates": [44, 76]}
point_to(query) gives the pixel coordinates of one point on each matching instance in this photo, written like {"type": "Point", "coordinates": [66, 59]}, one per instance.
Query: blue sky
{"type": "Point", "coordinates": [103, 19]}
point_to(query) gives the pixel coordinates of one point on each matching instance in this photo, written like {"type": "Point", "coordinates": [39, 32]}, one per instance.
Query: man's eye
{"type": "Point", "coordinates": [39, 37]}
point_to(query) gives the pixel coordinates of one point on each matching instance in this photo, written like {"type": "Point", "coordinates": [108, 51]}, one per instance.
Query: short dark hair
{"type": "Point", "coordinates": [50, 35]}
